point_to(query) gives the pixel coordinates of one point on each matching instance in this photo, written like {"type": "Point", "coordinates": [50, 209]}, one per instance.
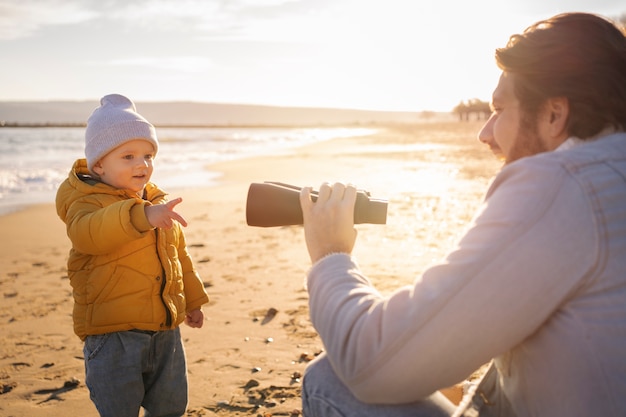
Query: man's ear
{"type": "Point", "coordinates": [558, 110]}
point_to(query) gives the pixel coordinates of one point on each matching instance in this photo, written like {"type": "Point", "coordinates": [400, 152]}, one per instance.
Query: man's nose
{"type": "Point", "coordinates": [485, 135]}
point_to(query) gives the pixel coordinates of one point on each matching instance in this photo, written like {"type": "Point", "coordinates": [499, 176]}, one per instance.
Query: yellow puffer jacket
{"type": "Point", "coordinates": [125, 274]}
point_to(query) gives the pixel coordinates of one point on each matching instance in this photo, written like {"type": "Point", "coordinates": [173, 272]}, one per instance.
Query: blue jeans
{"type": "Point", "coordinates": [129, 370]}
{"type": "Point", "coordinates": [324, 395]}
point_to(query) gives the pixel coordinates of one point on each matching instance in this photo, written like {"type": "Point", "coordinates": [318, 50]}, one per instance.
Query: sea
{"type": "Point", "coordinates": [35, 160]}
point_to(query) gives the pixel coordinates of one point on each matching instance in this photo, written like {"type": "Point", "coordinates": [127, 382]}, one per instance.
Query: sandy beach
{"type": "Point", "coordinates": [257, 337]}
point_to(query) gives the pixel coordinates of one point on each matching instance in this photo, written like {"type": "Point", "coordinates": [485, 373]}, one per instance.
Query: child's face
{"type": "Point", "coordinates": [129, 166]}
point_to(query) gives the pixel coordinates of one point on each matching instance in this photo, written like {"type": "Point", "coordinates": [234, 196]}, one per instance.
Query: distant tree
{"type": "Point", "coordinates": [473, 106]}
{"type": "Point", "coordinates": [426, 114]}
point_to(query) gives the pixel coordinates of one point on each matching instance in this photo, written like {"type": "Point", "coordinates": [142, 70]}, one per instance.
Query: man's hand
{"type": "Point", "coordinates": [329, 221]}
{"type": "Point", "coordinates": [163, 215]}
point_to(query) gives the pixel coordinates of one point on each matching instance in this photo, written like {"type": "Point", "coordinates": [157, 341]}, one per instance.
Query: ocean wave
{"type": "Point", "coordinates": [34, 161]}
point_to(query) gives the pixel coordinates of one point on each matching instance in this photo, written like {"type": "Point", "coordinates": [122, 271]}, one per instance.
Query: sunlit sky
{"type": "Point", "coordinates": [403, 55]}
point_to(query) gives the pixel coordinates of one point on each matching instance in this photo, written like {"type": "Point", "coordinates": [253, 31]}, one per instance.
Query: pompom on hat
{"type": "Point", "coordinates": [115, 122]}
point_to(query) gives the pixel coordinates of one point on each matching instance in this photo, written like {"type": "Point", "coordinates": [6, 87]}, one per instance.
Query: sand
{"type": "Point", "coordinates": [257, 337]}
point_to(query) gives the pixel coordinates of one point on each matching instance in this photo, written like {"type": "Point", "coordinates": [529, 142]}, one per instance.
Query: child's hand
{"type": "Point", "coordinates": [163, 215]}
{"type": "Point", "coordinates": [194, 318]}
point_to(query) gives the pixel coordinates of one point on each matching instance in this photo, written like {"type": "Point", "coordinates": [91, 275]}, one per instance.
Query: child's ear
{"type": "Point", "coordinates": [97, 168]}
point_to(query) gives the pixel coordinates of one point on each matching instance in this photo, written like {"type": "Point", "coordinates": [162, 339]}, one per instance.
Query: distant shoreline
{"type": "Point", "coordinates": [193, 114]}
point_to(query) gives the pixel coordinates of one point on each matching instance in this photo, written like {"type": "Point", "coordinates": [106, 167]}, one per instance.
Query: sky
{"type": "Point", "coordinates": [398, 55]}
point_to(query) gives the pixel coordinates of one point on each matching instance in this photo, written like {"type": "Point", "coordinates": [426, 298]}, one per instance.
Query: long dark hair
{"type": "Point", "coordinates": [579, 56]}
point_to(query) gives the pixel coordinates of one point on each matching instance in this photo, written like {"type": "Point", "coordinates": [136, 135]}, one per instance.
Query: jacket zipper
{"type": "Point", "coordinates": [168, 313]}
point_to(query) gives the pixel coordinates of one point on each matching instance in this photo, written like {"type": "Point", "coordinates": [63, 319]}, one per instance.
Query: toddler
{"type": "Point", "coordinates": [133, 280]}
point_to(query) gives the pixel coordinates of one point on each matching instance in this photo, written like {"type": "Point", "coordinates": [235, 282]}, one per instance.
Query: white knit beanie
{"type": "Point", "coordinates": [115, 122]}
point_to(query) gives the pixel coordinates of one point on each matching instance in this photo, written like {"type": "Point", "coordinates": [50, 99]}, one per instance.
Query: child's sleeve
{"type": "Point", "coordinates": [195, 293]}
{"type": "Point", "coordinates": [98, 230]}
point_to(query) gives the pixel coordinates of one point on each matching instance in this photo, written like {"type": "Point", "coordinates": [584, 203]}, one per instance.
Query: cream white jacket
{"type": "Point", "coordinates": [538, 283]}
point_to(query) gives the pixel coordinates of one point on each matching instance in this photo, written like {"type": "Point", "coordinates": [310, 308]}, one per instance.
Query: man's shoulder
{"type": "Point", "coordinates": [588, 165]}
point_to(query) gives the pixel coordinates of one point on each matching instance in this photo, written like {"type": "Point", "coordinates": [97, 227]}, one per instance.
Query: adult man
{"type": "Point", "coordinates": [538, 283]}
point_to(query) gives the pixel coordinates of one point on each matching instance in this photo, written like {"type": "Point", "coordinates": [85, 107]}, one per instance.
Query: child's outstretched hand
{"type": "Point", "coordinates": [194, 318]}
{"type": "Point", "coordinates": [163, 215]}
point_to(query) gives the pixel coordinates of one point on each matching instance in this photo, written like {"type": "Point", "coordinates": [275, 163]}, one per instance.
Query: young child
{"type": "Point", "coordinates": [133, 280]}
